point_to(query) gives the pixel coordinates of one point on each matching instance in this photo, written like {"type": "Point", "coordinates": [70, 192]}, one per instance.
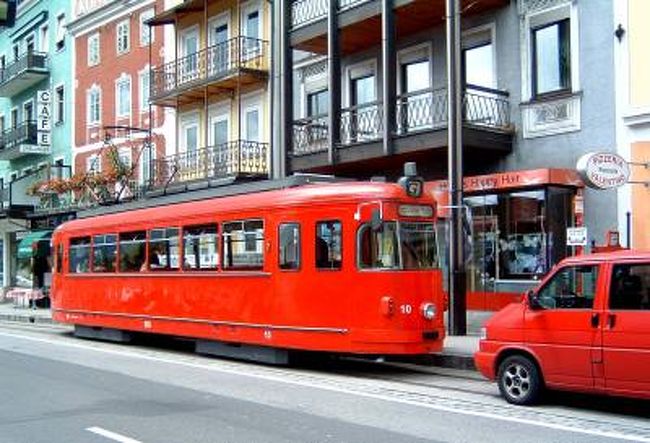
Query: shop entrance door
{"type": "Point", "coordinates": [483, 262]}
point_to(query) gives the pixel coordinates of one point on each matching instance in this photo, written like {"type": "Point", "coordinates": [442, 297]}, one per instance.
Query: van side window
{"type": "Point", "coordinates": [243, 245]}
{"type": "Point", "coordinates": [79, 255]}
{"type": "Point", "coordinates": [328, 245]}
{"type": "Point", "coordinates": [164, 250]}
{"type": "Point", "coordinates": [289, 246]}
{"type": "Point", "coordinates": [132, 251]}
{"type": "Point", "coordinates": [630, 288]}
{"type": "Point", "coordinates": [200, 247]}
{"type": "Point", "coordinates": [572, 287]}
{"type": "Point", "coordinates": [104, 253]}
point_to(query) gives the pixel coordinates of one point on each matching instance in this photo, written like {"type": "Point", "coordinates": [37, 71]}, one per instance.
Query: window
{"type": "Point", "coordinates": [123, 39]}
{"type": "Point", "coordinates": [124, 156]}
{"type": "Point", "coordinates": [60, 32]}
{"type": "Point", "coordinates": [378, 248]}
{"type": "Point", "coordinates": [16, 51]}
{"type": "Point", "coordinates": [93, 164]}
{"type": "Point", "coordinates": [252, 125]}
{"type": "Point", "coordinates": [418, 245]}
{"type": "Point", "coordinates": [132, 251]}
{"type": "Point", "coordinates": [2, 124]}
{"type": "Point", "coordinates": [14, 118]}
{"type": "Point", "coordinates": [479, 65]}
{"type": "Point", "coordinates": [94, 105]}
{"type": "Point", "coordinates": [144, 89]}
{"type": "Point", "coordinates": [318, 103]}
{"type": "Point", "coordinates": [200, 248]}
{"type": "Point", "coordinates": [630, 289]}
{"type": "Point", "coordinates": [415, 96]}
{"type": "Point", "coordinates": [123, 96]}
{"type": "Point", "coordinates": [94, 56]}
{"type": "Point", "coordinates": [148, 157]}
{"type": "Point", "coordinates": [289, 246]}
{"type": "Point", "coordinates": [29, 44]}
{"type": "Point", "coordinates": [362, 121]}
{"type": "Point", "coordinates": [79, 255]}
{"type": "Point", "coordinates": [328, 245]}
{"type": "Point", "coordinates": [164, 249]}
{"type": "Point", "coordinates": [551, 57]}
{"type": "Point", "coordinates": [572, 287]}
{"type": "Point", "coordinates": [58, 264]}
{"type": "Point", "coordinates": [28, 111]}
{"type": "Point", "coordinates": [104, 253]}
{"type": "Point", "coordinates": [145, 30]}
{"type": "Point", "coordinates": [243, 244]}
{"type": "Point", "coordinates": [44, 39]}
{"type": "Point", "coordinates": [59, 95]}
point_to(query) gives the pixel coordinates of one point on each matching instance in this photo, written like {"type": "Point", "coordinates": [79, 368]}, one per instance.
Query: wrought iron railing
{"type": "Point", "coordinates": [304, 12]}
{"type": "Point", "coordinates": [30, 60]}
{"type": "Point", "coordinates": [235, 158]}
{"type": "Point", "coordinates": [310, 135]}
{"type": "Point", "coordinates": [362, 123]}
{"type": "Point", "coordinates": [25, 133]}
{"type": "Point", "coordinates": [26, 191]}
{"type": "Point", "coordinates": [210, 64]}
{"type": "Point", "coordinates": [424, 110]}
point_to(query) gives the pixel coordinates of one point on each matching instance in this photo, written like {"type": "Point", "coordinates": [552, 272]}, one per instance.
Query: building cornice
{"type": "Point", "coordinates": [110, 12]}
{"type": "Point", "coordinates": [637, 117]}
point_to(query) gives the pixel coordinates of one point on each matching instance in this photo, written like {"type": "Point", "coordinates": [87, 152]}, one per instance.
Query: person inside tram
{"type": "Point", "coordinates": [156, 260]}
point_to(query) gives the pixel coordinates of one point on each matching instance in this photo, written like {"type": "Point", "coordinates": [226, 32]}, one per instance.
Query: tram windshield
{"type": "Point", "coordinates": [394, 245]}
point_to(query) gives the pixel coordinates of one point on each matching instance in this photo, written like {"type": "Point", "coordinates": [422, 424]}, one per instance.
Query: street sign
{"type": "Point", "coordinates": [603, 170]}
{"type": "Point", "coordinates": [576, 236]}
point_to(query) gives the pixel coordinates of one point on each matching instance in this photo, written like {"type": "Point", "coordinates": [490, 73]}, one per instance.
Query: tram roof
{"type": "Point", "coordinates": [307, 193]}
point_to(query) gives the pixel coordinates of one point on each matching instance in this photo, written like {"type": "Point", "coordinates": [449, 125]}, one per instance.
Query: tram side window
{"type": "Point", "coordinates": [79, 255]}
{"type": "Point", "coordinates": [200, 247]}
{"type": "Point", "coordinates": [58, 263]}
{"type": "Point", "coordinates": [289, 244]}
{"type": "Point", "coordinates": [243, 245]}
{"type": "Point", "coordinates": [132, 251]}
{"type": "Point", "coordinates": [328, 245]}
{"type": "Point", "coordinates": [164, 250]}
{"type": "Point", "coordinates": [104, 253]}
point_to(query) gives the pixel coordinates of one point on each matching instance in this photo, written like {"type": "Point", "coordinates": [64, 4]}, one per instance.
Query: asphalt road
{"type": "Point", "coordinates": [56, 388]}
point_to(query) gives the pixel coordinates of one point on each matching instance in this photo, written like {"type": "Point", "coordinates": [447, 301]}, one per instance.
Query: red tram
{"type": "Point", "coordinates": [338, 267]}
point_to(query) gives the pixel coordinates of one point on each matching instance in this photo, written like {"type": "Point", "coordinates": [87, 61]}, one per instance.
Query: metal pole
{"type": "Point", "coordinates": [457, 278]}
{"type": "Point", "coordinates": [388, 73]}
{"type": "Point", "coordinates": [334, 81]}
{"type": "Point", "coordinates": [628, 227]}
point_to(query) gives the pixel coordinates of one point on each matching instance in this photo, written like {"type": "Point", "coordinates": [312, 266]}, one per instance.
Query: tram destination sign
{"type": "Point", "coordinates": [603, 170]}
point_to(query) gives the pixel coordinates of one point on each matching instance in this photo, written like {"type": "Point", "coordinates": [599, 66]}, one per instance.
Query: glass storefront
{"type": "Point", "coordinates": [517, 236]}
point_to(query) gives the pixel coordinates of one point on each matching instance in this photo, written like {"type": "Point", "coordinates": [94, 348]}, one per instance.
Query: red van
{"type": "Point", "coordinates": [585, 328]}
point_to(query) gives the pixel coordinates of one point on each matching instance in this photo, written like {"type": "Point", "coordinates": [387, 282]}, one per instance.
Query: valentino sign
{"type": "Point", "coordinates": [602, 170]}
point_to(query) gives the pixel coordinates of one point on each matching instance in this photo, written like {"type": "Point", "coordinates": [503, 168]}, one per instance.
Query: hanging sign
{"type": "Point", "coordinates": [603, 170]}
{"type": "Point", "coordinates": [44, 117]}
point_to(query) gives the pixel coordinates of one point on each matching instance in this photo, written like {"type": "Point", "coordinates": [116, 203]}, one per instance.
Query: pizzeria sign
{"type": "Point", "coordinates": [603, 170]}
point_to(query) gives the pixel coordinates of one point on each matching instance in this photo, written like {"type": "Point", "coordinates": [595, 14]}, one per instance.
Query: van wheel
{"type": "Point", "coordinates": [519, 380]}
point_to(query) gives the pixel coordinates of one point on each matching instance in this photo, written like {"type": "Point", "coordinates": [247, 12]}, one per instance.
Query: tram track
{"type": "Point", "coordinates": [463, 395]}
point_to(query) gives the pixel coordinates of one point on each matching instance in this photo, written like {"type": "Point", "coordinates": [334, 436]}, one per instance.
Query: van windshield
{"type": "Point", "coordinates": [393, 245]}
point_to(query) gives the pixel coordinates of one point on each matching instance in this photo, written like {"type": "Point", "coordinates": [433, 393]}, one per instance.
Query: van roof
{"type": "Point", "coordinates": [625, 254]}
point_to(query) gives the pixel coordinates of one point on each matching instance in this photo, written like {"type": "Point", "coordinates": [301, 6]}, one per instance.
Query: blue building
{"type": "Point", "coordinates": [35, 134]}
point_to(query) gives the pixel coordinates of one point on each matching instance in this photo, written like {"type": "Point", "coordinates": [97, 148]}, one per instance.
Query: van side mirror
{"type": "Point", "coordinates": [533, 301]}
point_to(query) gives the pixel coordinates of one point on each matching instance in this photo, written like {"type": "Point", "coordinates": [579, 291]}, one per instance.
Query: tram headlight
{"type": "Point", "coordinates": [429, 310]}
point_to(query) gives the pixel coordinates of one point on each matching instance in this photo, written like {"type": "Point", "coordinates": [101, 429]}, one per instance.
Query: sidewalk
{"type": "Point", "coordinates": [457, 353]}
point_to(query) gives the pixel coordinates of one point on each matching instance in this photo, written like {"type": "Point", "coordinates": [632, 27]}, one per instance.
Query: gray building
{"type": "Point", "coordinates": [538, 93]}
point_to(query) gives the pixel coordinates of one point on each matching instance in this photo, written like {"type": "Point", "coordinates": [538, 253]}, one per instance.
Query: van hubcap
{"type": "Point", "coordinates": [516, 381]}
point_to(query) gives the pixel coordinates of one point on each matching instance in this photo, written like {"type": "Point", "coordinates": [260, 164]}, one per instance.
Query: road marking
{"type": "Point", "coordinates": [502, 412]}
{"type": "Point", "coordinates": [111, 435]}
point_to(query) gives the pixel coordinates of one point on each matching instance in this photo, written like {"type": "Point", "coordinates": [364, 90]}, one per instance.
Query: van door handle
{"type": "Point", "coordinates": [611, 321]}
{"type": "Point", "coordinates": [595, 320]}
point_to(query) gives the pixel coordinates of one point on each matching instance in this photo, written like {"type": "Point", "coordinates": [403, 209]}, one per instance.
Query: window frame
{"type": "Point", "coordinates": [234, 268]}
{"type": "Point", "coordinates": [59, 105]}
{"type": "Point", "coordinates": [92, 92]}
{"type": "Point", "coordinates": [120, 254]}
{"type": "Point", "coordinates": [316, 237]}
{"type": "Point", "coordinates": [59, 42]}
{"type": "Point", "coordinates": [93, 42]}
{"type": "Point", "coordinates": [217, 236]}
{"type": "Point", "coordinates": [168, 240]}
{"type": "Point", "coordinates": [612, 281]}
{"type": "Point", "coordinates": [563, 89]}
{"type": "Point", "coordinates": [71, 247]}
{"type": "Point", "coordinates": [299, 247]}
{"type": "Point", "coordinates": [123, 81]}
{"type": "Point", "coordinates": [148, 37]}
{"type": "Point", "coordinates": [599, 275]}
{"type": "Point", "coordinates": [116, 257]}
{"type": "Point", "coordinates": [119, 30]}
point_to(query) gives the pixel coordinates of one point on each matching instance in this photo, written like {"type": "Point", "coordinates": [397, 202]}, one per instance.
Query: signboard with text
{"type": "Point", "coordinates": [576, 236]}
{"type": "Point", "coordinates": [44, 117]}
{"type": "Point", "coordinates": [603, 170]}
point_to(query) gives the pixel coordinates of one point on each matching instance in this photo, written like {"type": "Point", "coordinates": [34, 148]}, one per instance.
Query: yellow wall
{"type": "Point", "coordinates": [641, 197]}
{"type": "Point", "coordinates": [639, 41]}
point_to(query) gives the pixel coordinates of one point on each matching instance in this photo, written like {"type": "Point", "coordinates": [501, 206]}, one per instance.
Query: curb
{"type": "Point", "coordinates": [25, 318]}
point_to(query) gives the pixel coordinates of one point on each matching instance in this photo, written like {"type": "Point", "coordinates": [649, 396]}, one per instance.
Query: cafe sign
{"type": "Point", "coordinates": [603, 170]}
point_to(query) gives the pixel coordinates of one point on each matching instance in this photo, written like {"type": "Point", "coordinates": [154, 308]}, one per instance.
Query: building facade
{"type": "Point", "coordinates": [35, 134]}
{"type": "Point", "coordinates": [538, 93]}
{"type": "Point", "coordinates": [116, 131]}
{"type": "Point", "coordinates": [216, 79]}
{"type": "Point", "coordinates": [633, 105]}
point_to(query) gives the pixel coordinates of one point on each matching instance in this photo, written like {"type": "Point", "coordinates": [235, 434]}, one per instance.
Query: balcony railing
{"type": "Point", "coordinates": [22, 139]}
{"type": "Point", "coordinates": [420, 111]}
{"type": "Point", "coordinates": [235, 158]}
{"type": "Point", "coordinates": [210, 64]}
{"type": "Point", "coordinates": [304, 12]}
{"type": "Point", "coordinates": [31, 60]}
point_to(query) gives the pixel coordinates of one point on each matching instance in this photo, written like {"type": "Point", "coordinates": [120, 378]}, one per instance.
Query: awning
{"type": "Point", "coordinates": [25, 249]}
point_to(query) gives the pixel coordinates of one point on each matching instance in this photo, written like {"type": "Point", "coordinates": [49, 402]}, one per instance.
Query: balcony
{"type": "Point", "coordinates": [239, 158]}
{"type": "Point", "coordinates": [360, 21]}
{"type": "Point", "coordinates": [421, 124]}
{"type": "Point", "coordinates": [21, 198]}
{"type": "Point", "coordinates": [20, 141]}
{"type": "Point", "coordinates": [24, 73]}
{"type": "Point", "coordinates": [238, 62]}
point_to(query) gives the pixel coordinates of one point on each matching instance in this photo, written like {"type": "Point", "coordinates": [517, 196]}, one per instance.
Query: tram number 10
{"type": "Point", "coordinates": [406, 309]}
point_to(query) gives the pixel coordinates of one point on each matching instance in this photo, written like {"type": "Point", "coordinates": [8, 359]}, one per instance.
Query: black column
{"type": "Point", "coordinates": [334, 80]}
{"type": "Point", "coordinates": [388, 73]}
{"type": "Point", "coordinates": [282, 85]}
